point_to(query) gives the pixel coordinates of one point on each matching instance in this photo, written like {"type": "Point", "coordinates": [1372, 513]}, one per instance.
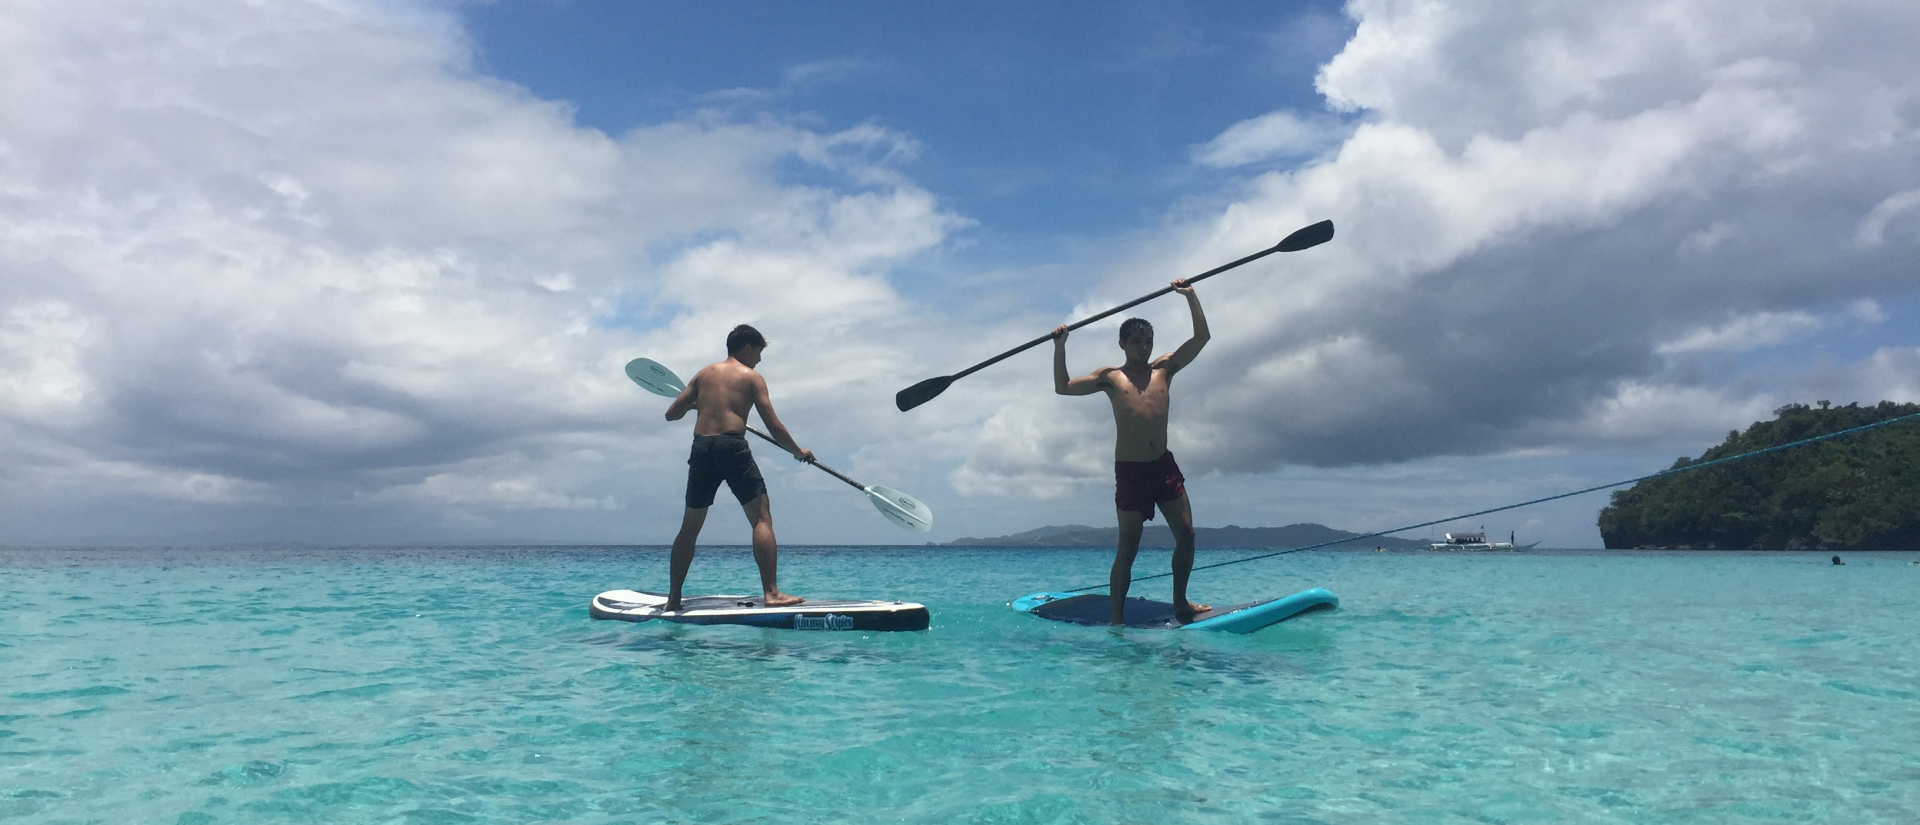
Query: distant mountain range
{"type": "Point", "coordinates": [1158, 535]}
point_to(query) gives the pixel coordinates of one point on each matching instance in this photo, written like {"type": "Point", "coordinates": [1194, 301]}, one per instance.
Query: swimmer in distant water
{"type": "Point", "coordinates": [724, 393]}
{"type": "Point", "coordinates": [1145, 475]}
{"type": "Point", "coordinates": [1836, 560]}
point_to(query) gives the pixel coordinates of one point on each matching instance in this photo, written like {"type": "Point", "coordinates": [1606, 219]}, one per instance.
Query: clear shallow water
{"type": "Point", "coordinates": [469, 685]}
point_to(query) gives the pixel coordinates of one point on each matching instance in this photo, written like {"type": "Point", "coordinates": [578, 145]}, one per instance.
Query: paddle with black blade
{"type": "Point", "coordinates": [925, 391]}
{"type": "Point", "coordinates": [898, 507]}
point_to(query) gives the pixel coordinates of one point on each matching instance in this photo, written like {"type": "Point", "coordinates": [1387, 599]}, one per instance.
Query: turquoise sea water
{"type": "Point", "coordinates": [469, 685]}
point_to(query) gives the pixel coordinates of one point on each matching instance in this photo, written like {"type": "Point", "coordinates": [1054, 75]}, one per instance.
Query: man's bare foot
{"type": "Point", "coordinates": [1191, 610]}
{"type": "Point", "coordinates": [671, 606]}
{"type": "Point", "coordinates": [775, 598]}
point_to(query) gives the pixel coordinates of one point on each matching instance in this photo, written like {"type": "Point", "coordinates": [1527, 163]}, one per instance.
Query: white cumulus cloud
{"type": "Point", "coordinates": [1541, 205]}
{"type": "Point", "coordinates": [1272, 136]}
{"type": "Point", "coordinates": [304, 252]}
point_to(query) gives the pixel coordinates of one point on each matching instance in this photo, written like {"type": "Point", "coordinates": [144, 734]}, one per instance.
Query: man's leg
{"type": "Point", "coordinates": [1131, 523]}
{"type": "Point", "coordinates": [765, 553]}
{"type": "Point", "coordinates": [682, 558]}
{"type": "Point", "coordinates": [1180, 519]}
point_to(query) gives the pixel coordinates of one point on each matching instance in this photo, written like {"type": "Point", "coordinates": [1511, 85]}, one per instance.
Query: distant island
{"type": "Point", "coordinates": [1859, 492]}
{"type": "Point", "coordinates": [1158, 535]}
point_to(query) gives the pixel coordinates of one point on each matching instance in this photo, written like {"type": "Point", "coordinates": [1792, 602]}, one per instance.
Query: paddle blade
{"type": "Point", "coordinates": [1310, 236]}
{"type": "Point", "coordinates": [655, 378]}
{"type": "Point", "coordinates": [900, 508]}
{"type": "Point", "coordinates": [921, 393]}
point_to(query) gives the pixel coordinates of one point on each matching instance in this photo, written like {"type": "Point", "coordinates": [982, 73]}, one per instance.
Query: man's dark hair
{"type": "Point", "coordinates": [1128, 326]}
{"type": "Point", "coordinates": [744, 336]}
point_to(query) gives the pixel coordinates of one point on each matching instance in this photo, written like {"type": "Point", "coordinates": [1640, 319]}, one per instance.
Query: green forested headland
{"type": "Point", "coordinates": [1857, 492]}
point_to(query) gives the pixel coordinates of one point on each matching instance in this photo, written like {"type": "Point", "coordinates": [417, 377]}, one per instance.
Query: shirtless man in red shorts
{"type": "Point", "coordinates": [724, 393]}
{"type": "Point", "coordinates": [1143, 469]}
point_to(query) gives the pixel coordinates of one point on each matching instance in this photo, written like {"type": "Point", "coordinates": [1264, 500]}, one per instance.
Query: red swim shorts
{"type": "Point", "coordinates": [1138, 485]}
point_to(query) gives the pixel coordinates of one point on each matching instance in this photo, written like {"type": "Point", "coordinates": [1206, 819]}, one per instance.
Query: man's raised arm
{"type": "Point", "coordinates": [1084, 385]}
{"type": "Point", "coordinates": [1184, 355]}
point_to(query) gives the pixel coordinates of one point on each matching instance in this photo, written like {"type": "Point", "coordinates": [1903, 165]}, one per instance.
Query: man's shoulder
{"type": "Point", "coordinates": [727, 371]}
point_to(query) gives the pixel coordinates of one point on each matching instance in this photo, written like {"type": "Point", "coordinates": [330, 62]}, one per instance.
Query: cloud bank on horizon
{"type": "Point", "coordinates": [302, 271]}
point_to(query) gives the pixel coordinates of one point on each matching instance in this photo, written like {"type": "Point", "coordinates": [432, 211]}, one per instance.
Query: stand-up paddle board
{"type": "Point", "coordinates": [812, 614]}
{"type": "Point", "coordinates": [1096, 609]}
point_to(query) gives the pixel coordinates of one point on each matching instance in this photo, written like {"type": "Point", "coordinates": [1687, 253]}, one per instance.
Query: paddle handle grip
{"type": "Point", "coordinates": [829, 470]}
{"type": "Point", "coordinates": [1121, 308]}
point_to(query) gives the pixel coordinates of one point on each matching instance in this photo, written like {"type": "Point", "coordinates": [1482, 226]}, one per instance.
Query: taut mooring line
{"type": "Point", "coordinates": [1666, 472]}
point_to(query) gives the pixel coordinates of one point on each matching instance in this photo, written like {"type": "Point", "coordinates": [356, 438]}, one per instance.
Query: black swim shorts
{"type": "Point", "coordinates": [1139, 485]}
{"type": "Point", "coordinates": [718, 458]}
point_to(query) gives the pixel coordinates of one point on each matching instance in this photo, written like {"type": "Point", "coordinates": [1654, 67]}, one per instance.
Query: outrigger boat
{"type": "Point", "coordinates": [1477, 541]}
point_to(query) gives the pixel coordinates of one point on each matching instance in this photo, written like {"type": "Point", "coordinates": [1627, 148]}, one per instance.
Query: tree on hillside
{"type": "Point", "coordinates": [1860, 492]}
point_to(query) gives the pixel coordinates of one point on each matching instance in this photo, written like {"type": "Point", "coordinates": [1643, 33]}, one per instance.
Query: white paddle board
{"type": "Point", "coordinates": [812, 614]}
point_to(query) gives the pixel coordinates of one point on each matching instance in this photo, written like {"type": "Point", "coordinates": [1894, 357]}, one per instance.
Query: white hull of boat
{"type": "Point", "coordinates": [1482, 546]}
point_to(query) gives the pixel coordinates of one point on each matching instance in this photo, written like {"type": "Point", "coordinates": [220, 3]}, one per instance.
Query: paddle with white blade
{"type": "Point", "coordinates": [898, 507]}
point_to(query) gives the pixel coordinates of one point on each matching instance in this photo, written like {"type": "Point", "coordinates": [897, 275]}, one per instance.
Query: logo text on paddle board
{"type": "Point", "coordinates": [831, 621]}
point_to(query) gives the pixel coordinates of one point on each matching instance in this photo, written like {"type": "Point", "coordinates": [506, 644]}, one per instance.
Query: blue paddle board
{"type": "Point", "coordinates": [1096, 609]}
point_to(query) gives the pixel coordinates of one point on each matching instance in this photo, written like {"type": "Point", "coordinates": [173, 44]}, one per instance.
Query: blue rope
{"type": "Point", "coordinates": [1666, 472]}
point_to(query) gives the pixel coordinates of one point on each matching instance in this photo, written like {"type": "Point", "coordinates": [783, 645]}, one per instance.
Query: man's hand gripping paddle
{"type": "Point", "coordinates": [925, 391]}
{"type": "Point", "coordinates": [898, 507]}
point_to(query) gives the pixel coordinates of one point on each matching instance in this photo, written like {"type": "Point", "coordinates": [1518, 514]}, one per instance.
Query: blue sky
{"type": "Point", "coordinates": [367, 271]}
{"type": "Point", "coordinates": [1049, 123]}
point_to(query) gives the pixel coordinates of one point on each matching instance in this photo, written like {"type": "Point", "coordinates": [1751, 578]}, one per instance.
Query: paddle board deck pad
{"type": "Point", "coordinates": [1096, 609]}
{"type": "Point", "coordinates": [812, 614]}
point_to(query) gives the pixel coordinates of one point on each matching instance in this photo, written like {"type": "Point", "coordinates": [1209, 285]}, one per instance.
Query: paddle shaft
{"type": "Point", "coordinates": [1121, 308]}
{"type": "Point", "coordinates": [830, 471]}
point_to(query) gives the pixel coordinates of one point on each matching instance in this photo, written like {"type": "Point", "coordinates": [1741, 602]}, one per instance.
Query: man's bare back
{"type": "Point", "coordinates": [723, 394]}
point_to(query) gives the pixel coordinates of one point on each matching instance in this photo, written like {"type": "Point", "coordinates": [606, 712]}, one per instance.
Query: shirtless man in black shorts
{"type": "Point", "coordinates": [1143, 468]}
{"type": "Point", "coordinates": [723, 393]}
